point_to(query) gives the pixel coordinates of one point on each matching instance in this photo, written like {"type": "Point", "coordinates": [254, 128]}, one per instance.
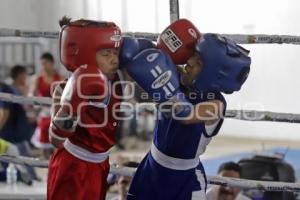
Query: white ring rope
{"type": "Point", "coordinates": [42, 101]}
{"type": "Point", "coordinates": [6, 32]}
{"type": "Point", "coordinates": [233, 114]}
{"type": "Point", "coordinates": [254, 184]}
{"type": "Point", "coordinates": [264, 39]}
{"type": "Point", "coordinates": [215, 180]}
{"type": "Point", "coordinates": [22, 160]}
{"type": "Point", "coordinates": [239, 38]}
{"type": "Point", "coordinates": [254, 115]}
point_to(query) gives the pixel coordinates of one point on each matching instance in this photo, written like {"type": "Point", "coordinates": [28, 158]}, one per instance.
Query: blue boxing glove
{"type": "Point", "coordinates": [131, 47]}
{"type": "Point", "coordinates": [156, 73]}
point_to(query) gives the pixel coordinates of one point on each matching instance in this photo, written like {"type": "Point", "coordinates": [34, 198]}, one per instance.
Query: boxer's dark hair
{"type": "Point", "coordinates": [230, 166]}
{"type": "Point", "coordinates": [64, 21]}
{"type": "Point", "coordinates": [16, 71]}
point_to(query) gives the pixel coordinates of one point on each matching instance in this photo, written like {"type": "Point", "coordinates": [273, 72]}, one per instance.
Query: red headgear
{"type": "Point", "coordinates": [179, 40]}
{"type": "Point", "coordinates": [80, 40]}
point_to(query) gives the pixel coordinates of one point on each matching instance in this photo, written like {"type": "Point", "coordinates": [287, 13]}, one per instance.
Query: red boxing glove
{"type": "Point", "coordinates": [86, 87]}
{"type": "Point", "coordinates": [178, 40]}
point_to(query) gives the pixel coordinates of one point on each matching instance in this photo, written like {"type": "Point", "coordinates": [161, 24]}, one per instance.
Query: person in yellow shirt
{"type": "Point", "coordinates": [8, 148]}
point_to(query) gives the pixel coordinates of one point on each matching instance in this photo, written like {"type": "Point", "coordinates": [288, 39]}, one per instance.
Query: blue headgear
{"type": "Point", "coordinates": [226, 65]}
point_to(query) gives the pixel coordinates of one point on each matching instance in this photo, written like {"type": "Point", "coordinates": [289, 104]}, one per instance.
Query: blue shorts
{"type": "Point", "coordinates": [155, 182]}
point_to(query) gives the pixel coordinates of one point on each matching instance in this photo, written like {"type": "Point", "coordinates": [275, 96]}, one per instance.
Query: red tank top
{"type": "Point", "coordinates": [44, 87]}
{"type": "Point", "coordinates": [100, 139]}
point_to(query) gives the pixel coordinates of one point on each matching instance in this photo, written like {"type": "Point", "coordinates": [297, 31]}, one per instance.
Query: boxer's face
{"type": "Point", "coordinates": [22, 78]}
{"type": "Point", "coordinates": [47, 65]}
{"type": "Point", "coordinates": [228, 193]}
{"type": "Point", "coordinates": [108, 61]}
{"type": "Point", "coordinates": [193, 69]}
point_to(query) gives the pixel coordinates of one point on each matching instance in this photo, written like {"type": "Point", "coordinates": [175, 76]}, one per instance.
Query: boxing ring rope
{"type": "Point", "coordinates": [239, 38]}
{"type": "Point", "coordinates": [39, 101]}
{"type": "Point", "coordinates": [254, 115]}
{"type": "Point", "coordinates": [214, 180]}
{"type": "Point", "coordinates": [245, 115]}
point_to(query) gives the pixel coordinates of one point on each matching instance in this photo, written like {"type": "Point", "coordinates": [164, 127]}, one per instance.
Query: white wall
{"type": "Point", "coordinates": [38, 14]}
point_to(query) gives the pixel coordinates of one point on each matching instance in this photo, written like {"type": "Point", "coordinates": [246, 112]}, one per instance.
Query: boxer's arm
{"type": "Point", "coordinates": [4, 115]}
{"type": "Point", "coordinates": [34, 85]}
{"type": "Point", "coordinates": [56, 97]}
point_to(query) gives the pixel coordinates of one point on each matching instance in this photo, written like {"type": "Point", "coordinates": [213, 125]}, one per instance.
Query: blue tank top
{"type": "Point", "coordinates": [179, 140]}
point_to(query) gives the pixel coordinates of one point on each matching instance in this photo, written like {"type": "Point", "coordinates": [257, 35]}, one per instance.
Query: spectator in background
{"type": "Point", "coordinates": [232, 170]}
{"type": "Point", "coordinates": [142, 120]}
{"type": "Point", "coordinates": [15, 126]}
{"type": "Point", "coordinates": [123, 182]}
{"type": "Point", "coordinates": [8, 148]}
{"type": "Point", "coordinates": [42, 87]}
{"type": "Point", "coordinates": [25, 173]}
{"type": "Point", "coordinates": [19, 77]}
